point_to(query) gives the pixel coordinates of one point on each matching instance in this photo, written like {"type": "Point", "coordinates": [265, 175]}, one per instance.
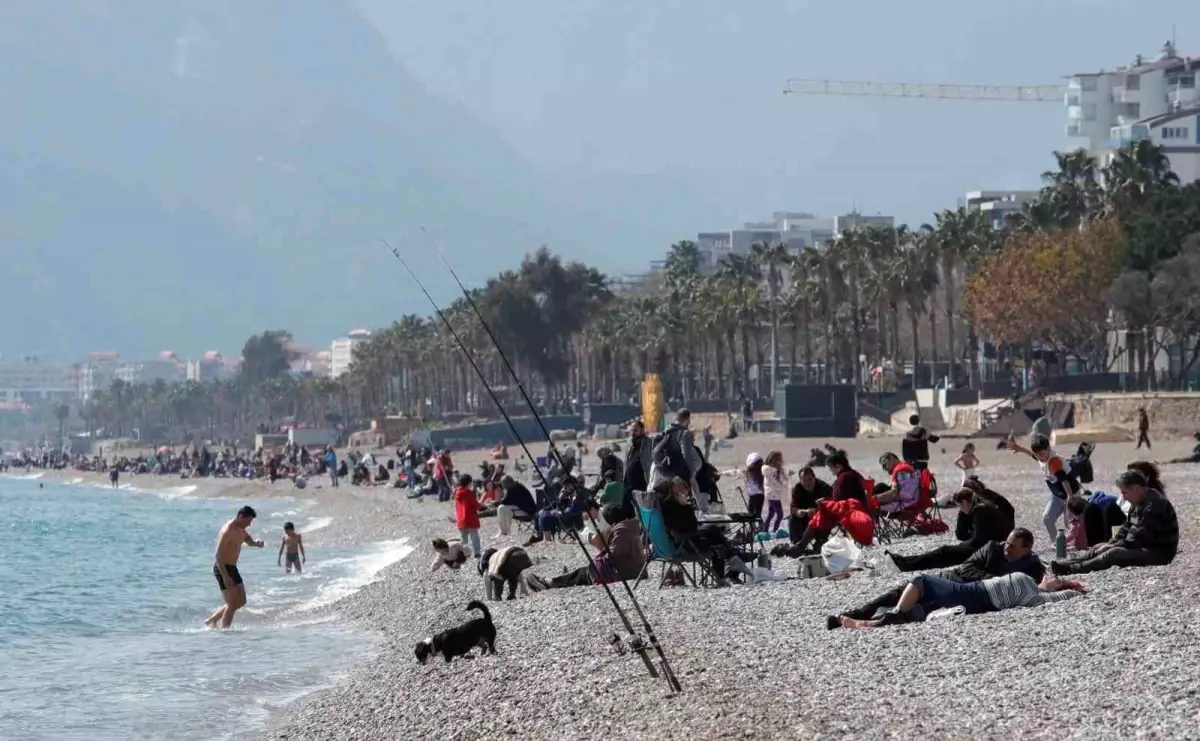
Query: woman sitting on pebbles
{"type": "Point", "coordinates": [927, 593]}
{"type": "Point", "coordinates": [623, 558]}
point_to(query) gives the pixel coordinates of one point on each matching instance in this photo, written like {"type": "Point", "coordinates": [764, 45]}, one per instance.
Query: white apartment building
{"type": "Point", "coordinates": [1154, 100]}
{"type": "Point", "coordinates": [166, 368]}
{"type": "Point", "coordinates": [341, 351]}
{"type": "Point", "coordinates": [210, 367]}
{"type": "Point", "coordinates": [998, 204]}
{"type": "Point", "coordinates": [31, 380]}
{"type": "Point", "coordinates": [796, 229]}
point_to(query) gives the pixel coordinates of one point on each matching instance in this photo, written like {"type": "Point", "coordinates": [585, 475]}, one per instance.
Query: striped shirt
{"type": "Point", "coordinates": [1020, 590]}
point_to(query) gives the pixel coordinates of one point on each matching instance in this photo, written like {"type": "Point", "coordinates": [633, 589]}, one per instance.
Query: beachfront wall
{"type": "Point", "coordinates": [817, 411]}
{"type": "Point", "coordinates": [488, 434]}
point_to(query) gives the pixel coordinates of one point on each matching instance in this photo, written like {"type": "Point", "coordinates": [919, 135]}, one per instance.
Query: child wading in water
{"type": "Point", "coordinates": [294, 544]}
{"type": "Point", "coordinates": [775, 485]}
{"type": "Point", "coordinates": [968, 462]}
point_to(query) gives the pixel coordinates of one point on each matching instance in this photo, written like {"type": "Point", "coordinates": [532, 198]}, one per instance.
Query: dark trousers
{"type": "Point", "coordinates": [885, 601]}
{"type": "Point", "coordinates": [797, 524]}
{"type": "Point", "coordinates": [1090, 560]}
{"type": "Point", "coordinates": [580, 577]}
{"type": "Point", "coordinates": [754, 505]}
{"type": "Point", "coordinates": [1098, 522]}
{"type": "Point", "coordinates": [942, 557]}
{"type": "Point", "coordinates": [1143, 437]}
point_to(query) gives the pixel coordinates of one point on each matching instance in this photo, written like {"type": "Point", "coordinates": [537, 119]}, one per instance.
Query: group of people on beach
{"type": "Point", "coordinates": [992, 566]}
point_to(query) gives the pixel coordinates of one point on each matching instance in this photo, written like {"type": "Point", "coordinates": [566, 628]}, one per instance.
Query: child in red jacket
{"type": "Point", "coordinates": [466, 513]}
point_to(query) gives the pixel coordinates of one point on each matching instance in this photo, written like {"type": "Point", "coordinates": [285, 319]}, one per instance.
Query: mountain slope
{"type": "Point", "coordinates": [208, 169]}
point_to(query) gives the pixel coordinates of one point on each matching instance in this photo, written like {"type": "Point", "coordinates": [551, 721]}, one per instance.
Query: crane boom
{"type": "Point", "coordinates": [936, 91]}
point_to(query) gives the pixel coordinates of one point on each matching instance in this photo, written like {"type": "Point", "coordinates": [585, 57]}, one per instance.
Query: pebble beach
{"type": "Point", "coordinates": [756, 661]}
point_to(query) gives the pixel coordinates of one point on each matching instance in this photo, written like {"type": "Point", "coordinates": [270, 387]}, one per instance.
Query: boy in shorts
{"type": "Point", "coordinates": [294, 545]}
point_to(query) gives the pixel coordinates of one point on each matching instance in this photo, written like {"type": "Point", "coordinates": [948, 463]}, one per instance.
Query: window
{"type": "Point", "coordinates": [1087, 83]}
{"type": "Point", "coordinates": [1133, 82]}
{"type": "Point", "coordinates": [1175, 132]}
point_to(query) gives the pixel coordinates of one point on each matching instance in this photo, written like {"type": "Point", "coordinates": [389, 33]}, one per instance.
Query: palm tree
{"type": "Point", "coordinates": [918, 282]}
{"type": "Point", "coordinates": [772, 260]}
{"type": "Point", "coordinates": [1138, 171]}
{"type": "Point", "coordinates": [61, 412]}
{"type": "Point", "coordinates": [742, 278]}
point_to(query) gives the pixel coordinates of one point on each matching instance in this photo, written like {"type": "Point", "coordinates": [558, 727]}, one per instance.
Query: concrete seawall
{"type": "Point", "coordinates": [1171, 412]}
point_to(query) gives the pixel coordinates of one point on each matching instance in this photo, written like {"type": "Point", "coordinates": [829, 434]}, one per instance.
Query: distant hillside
{"type": "Point", "coordinates": [181, 173]}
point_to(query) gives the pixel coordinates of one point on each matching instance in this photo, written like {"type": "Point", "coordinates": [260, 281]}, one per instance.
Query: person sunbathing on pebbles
{"type": "Point", "coordinates": [998, 593]}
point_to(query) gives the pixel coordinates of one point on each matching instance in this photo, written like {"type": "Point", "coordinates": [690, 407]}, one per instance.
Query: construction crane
{"type": "Point", "coordinates": [937, 91]}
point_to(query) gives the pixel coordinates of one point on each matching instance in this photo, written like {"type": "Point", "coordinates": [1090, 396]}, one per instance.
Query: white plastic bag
{"type": "Point", "coordinates": [841, 554]}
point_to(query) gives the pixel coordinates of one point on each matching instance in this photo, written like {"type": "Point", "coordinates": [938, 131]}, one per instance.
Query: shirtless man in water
{"type": "Point", "coordinates": [229, 546]}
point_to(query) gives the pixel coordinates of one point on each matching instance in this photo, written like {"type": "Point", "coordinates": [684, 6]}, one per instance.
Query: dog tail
{"type": "Point", "coordinates": [477, 605]}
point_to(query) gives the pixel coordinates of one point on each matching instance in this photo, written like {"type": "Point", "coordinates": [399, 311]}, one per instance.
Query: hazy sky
{"type": "Point", "coordinates": [690, 89]}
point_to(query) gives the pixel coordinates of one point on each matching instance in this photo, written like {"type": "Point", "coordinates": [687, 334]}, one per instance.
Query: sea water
{"type": "Point", "coordinates": [102, 602]}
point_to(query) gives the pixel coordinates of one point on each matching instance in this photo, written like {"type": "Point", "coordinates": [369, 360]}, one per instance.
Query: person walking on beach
{"type": "Point", "coordinates": [331, 463]}
{"type": "Point", "coordinates": [230, 539]}
{"type": "Point", "coordinates": [114, 475]}
{"type": "Point", "coordinates": [295, 549]}
{"type": "Point", "coordinates": [1143, 429]}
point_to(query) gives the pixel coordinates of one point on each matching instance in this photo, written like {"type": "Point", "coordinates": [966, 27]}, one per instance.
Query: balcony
{"type": "Point", "coordinates": [1126, 95]}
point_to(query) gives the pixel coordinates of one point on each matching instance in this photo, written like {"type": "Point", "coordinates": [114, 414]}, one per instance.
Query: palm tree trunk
{"type": "Point", "coordinates": [916, 346]}
{"type": "Point", "coordinates": [808, 355]}
{"type": "Point", "coordinates": [973, 348]}
{"type": "Point", "coordinates": [792, 347]}
{"type": "Point", "coordinates": [933, 348]}
{"type": "Point", "coordinates": [746, 358]}
{"type": "Point", "coordinates": [948, 268]}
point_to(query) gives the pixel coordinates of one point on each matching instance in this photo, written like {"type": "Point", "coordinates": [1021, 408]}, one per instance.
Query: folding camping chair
{"type": "Point", "coordinates": [905, 521]}
{"type": "Point", "coordinates": [665, 551]}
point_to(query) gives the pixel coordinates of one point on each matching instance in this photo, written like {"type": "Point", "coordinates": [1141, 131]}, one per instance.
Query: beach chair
{"type": "Point", "coordinates": [665, 551]}
{"type": "Point", "coordinates": [920, 518]}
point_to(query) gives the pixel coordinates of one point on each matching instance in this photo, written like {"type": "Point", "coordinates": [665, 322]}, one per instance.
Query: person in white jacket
{"type": "Point", "coordinates": [777, 488]}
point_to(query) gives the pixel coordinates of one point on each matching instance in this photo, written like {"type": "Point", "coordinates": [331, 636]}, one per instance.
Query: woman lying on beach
{"type": "Point", "coordinates": [927, 593]}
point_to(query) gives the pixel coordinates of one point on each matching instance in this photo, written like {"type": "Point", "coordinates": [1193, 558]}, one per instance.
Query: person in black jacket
{"type": "Point", "coordinates": [1015, 554]}
{"type": "Point", "coordinates": [515, 500]}
{"type": "Point", "coordinates": [638, 459]}
{"type": "Point", "coordinates": [979, 523]}
{"type": "Point", "coordinates": [1149, 537]}
{"type": "Point", "coordinates": [611, 468]}
{"type": "Point", "coordinates": [679, 517]}
{"type": "Point", "coordinates": [805, 493]}
{"type": "Point", "coordinates": [914, 448]}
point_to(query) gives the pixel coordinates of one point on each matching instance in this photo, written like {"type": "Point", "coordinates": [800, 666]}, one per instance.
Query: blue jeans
{"type": "Point", "coordinates": [333, 477]}
{"type": "Point", "coordinates": [473, 536]}
{"type": "Point", "coordinates": [1055, 508]}
{"type": "Point", "coordinates": [937, 593]}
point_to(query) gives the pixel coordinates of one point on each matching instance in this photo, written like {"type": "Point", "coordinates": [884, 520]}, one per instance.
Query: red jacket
{"type": "Point", "coordinates": [466, 509]}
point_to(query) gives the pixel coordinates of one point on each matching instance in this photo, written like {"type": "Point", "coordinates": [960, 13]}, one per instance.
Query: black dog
{"type": "Point", "coordinates": [459, 641]}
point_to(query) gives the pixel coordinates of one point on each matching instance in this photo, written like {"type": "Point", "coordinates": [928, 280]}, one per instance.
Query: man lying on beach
{"type": "Point", "coordinates": [1012, 556]}
{"type": "Point", "coordinates": [926, 593]}
{"type": "Point", "coordinates": [230, 539]}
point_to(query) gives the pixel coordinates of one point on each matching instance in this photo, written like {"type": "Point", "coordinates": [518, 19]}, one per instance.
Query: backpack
{"type": "Point", "coordinates": [667, 452]}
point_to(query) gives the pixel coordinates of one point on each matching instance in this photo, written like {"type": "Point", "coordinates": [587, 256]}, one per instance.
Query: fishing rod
{"type": "Point", "coordinates": [653, 638]}
{"type": "Point", "coordinates": [635, 641]}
